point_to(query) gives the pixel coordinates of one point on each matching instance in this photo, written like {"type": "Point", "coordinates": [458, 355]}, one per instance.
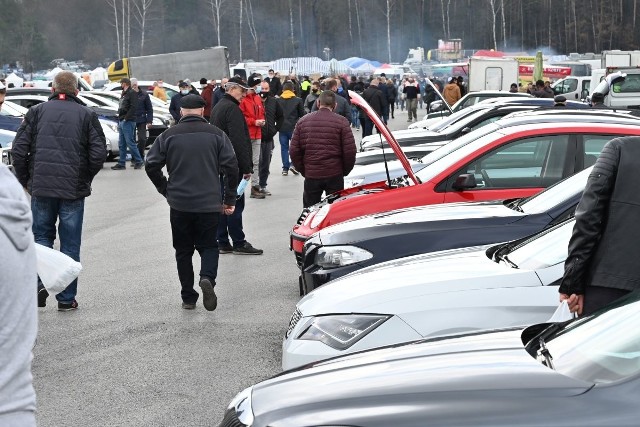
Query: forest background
{"type": "Point", "coordinates": [99, 31]}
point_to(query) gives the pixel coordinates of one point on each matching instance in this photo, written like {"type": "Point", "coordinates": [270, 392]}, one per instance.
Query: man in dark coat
{"type": "Point", "coordinates": [196, 155]}
{"type": "Point", "coordinates": [602, 263]}
{"type": "Point", "coordinates": [127, 127]}
{"type": "Point", "coordinates": [323, 150]}
{"type": "Point", "coordinates": [58, 150]}
{"type": "Point", "coordinates": [275, 85]}
{"type": "Point", "coordinates": [174, 105]}
{"type": "Point", "coordinates": [144, 115]}
{"type": "Point", "coordinates": [229, 118]}
{"type": "Point", "coordinates": [292, 109]}
{"type": "Point", "coordinates": [273, 122]}
{"type": "Point", "coordinates": [375, 98]}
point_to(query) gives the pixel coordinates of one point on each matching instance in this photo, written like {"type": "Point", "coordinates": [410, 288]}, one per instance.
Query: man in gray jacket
{"type": "Point", "coordinates": [18, 317]}
{"type": "Point", "coordinates": [196, 154]}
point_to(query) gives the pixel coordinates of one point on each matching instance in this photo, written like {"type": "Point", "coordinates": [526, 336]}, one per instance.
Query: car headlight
{"type": "Point", "coordinates": [341, 331]}
{"type": "Point", "coordinates": [320, 216]}
{"type": "Point", "coordinates": [352, 182]}
{"type": "Point", "coordinates": [338, 256]}
{"type": "Point", "coordinates": [242, 405]}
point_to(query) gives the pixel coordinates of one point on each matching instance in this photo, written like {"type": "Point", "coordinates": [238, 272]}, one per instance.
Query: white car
{"type": "Point", "coordinates": [428, 295]}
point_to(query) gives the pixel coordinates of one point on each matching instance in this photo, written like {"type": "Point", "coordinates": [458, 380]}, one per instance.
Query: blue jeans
{"type": "Point", "coordinates": [231, 225]}
{"type": "Point", "coordinates": [70, 213]}
{"type": "Point", "coordinates": [285, 137]}
{"type": "Point", "coordinates": [127, 131]}
{"type": "Point", "coordinates": [354, 117]}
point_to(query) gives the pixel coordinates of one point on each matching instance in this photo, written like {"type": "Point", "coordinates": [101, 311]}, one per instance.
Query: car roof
{"type": "Point", "coordinates": [561, 115]}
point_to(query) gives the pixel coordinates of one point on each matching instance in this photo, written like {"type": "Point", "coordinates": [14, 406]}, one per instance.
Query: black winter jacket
{"type": "Point", "coordinates": [229, 118]}
{"type": "Point", "coordinates": [196, 154]}
{"type": "Point", "coordinates": [375, 98]}
{"type": "Point", "coordinates": [59, 148]}
{"type": "Point", "coordinates": [274, 118]}
{"type": "Point", "coordinates": [144, 111]}
{"type": "Point", "coordinates": [604, 245]}
{"type": "Point", "coordinates": [293, 110]}
{"type": "Point", "coordinates": [174, 106]}
{"type": "Point", "coordinates": [128, 105]}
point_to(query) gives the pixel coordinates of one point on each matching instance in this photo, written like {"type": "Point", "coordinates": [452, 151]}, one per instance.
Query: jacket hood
{"type": "Point", "coordinates": [15, 211]}
{"type": "Point", "coordinates": [287, 94]}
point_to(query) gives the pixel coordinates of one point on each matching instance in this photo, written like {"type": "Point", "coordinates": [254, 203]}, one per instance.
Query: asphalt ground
{"type": "Point", "coordinates": [130, 355]}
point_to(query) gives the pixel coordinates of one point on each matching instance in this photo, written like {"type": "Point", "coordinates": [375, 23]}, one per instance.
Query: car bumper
{"type": "Point", "coordinates": [297, 352]}
{"type": "Point", "coordinates": [296, 244]}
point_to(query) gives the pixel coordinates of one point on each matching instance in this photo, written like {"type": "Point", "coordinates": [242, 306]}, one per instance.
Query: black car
{"type": "Point", "coordinates": [466, 120]}
{"type": "Point", "coordinates": [352, 245]}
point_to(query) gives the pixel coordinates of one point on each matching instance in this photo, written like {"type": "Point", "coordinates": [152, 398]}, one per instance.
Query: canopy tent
{"type": "Point", "coordinates": [365, 68]}
{"type": "Point", "coordinates": [13, 78]}
{"type": "Point", "coordinates": [337, 67]}
{"type": "Point", "coordinates": [51, 74]}
{"type": "Point", "coordinates": [356, 62]}
{"type": "Point", "coordinates": [488, 53]}
{"type": "Point", "coordinates": [300, 65]}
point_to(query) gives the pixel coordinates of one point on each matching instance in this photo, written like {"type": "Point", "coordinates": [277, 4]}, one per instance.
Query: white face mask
{"type": "Point", "coordinates": [258, 89]}
{"type": "Point", "coordinates": [184, 91]}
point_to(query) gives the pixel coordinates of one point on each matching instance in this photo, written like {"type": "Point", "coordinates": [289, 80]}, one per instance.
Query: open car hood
{"type": "Point", "coordinates": [382, 128]}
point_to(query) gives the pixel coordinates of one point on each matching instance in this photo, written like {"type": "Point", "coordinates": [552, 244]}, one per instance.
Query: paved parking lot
{"type": "Point", "coordinates": [130, 356]}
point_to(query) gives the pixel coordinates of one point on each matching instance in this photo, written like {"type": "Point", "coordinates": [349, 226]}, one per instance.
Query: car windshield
{"type": "Point", "coordinates": [556, 194]}
{"type": "Point", "coordinates": [544, 249]}
{"type": "Point", "coordinates": [601, 348]}
{"type": "Point", "coordinates": [449, 120]}
{"type": "Point", "coordinates": [12, 109]}
{"type": "Point", "coordinates": [454, 151]}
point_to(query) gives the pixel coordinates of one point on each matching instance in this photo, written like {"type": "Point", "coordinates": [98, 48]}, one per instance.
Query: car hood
{"type": "Point", "coordinates": [379, 288]}
{"type": "Point", "coordinates": [423, 214]}
{"type": "Point", "coordinates": [480, 368]}
{"type": "Point", "coordinates": [375, 172]}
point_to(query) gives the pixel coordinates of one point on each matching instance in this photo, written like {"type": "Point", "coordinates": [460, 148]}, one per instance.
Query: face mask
{"type": "Point", "coordinates": [184, 92]}
{"type": "Point", "coordinates": [263, 95]}
{"type": "Point", "coordinates": [258, 89]}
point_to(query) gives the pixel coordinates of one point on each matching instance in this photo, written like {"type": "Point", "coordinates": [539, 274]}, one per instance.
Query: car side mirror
{"type": "Point", "coordinates": [465, 181]}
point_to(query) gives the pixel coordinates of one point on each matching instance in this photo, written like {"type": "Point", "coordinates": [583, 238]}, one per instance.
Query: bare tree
{"type": "Point", "coordinates": [141, 14]}
{"type": "Point", "coordinates": [504, 25]}
{"type": "Point", "coordinates": [292, 35]}
{"type": "Point", "coordinates": [113, 4]}
{"type": "Point", "coordinates": [350, 25]}
{"type": "Point", "coordinates": [494, 13]}
{"type": "Point", "coordinates": [240, 31]}
{"type": "Point", "coordinates": [252, 27]}
{"type": "Point", "coordinates": [387, 14]}
{"type": "Point", "coordinates": [358, 22]}
{"type": "Point", "coordinates": [216, 14]}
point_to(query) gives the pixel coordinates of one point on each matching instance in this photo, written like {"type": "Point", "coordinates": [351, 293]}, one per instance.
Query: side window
{"type": "Point", "coordinates": [630, 84]}
{"type": "Point", "coordinates": [486, 122]}
{"type": "Point", "coordinates": [571, 85]}
{"type": "Point", "coordinates": [593, 145]}
{"type": "Point", "coordinates": [533, 162]}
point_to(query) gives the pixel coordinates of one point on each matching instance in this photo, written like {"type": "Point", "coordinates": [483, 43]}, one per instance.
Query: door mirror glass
{"type": "Point", "coordinates": [465, 181]}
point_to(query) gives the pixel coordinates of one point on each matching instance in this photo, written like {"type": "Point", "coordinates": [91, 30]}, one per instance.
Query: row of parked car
{"type": "Point", "coordinates": [427, 293]}
{"type": "Point", "coordinates": [103, 102]}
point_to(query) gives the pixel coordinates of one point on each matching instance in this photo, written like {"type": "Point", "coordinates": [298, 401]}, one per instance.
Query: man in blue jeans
{"type": "Point", "coordinates": [127, 127]}
{"type": "Point", "coordinates": [292, 109]}
{"type": "Point", "coordinates": [57, 151]}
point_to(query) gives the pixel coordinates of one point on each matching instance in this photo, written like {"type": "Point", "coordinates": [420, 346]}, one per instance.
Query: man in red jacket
{"type": "Point", "coordinates": [253, 112]}
{"type": "Point", "coordinates": [322, 149]}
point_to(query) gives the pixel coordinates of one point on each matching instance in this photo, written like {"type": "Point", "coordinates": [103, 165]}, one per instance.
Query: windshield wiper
{"type": "Point", "coordinates": [515, 205]}
{"type": "Point", "coordinates": [504, 257]}
{"type": "Point", "coordinates": [543, 353]}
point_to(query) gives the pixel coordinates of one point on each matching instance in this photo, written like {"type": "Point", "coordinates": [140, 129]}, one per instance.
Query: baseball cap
{"type": "Point", "coordinates": [237, 81]}
{"type": "Point", "coordinates": [183, 84]}
{"type": "Point", "coordinates": [254, 80]}
{"type": "Point", "coordinates": [192, 101]}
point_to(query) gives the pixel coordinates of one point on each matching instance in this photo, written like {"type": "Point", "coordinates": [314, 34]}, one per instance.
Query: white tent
{"type": "Point", "coordinates": [51, 74]}
{"type": "Point", "coordinates": [13, 78]}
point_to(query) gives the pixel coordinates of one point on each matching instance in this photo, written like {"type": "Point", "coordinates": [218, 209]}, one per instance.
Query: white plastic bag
{"type": "Point", "coordinates": [56, 270]}
{"type": "Point", "coordinates": [562, 313]}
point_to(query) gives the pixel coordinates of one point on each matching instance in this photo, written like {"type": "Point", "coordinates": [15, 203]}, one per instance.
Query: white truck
{"type": "Point", "coordinates": [612, 59]}
{"type": "Point", "coordinates": [212, 63]}
{"type": "Point", "coordinates": [621, 89]}
{"type": "Point", "coordinates": [492, 73]}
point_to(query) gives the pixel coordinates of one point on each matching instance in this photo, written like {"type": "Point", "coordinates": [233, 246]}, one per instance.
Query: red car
{"type": "Point", "coordinates": [514, 157]}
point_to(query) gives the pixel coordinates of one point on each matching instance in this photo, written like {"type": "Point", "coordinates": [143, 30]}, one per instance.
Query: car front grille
{"type": "Point", "coordinates": [231, 419]}
{"type": "Point", "coordinates": [295, 318]}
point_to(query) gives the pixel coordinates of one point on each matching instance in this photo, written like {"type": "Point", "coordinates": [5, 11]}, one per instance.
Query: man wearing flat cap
{"type": "Point", "coordinates": [196, 155]}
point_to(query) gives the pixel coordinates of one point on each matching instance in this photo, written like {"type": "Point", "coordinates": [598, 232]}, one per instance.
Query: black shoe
{"type": "Point", "coordinates": [209, 298]}
{"type": "Point", "coordinates": [42, 297]}
{"type": "Point", "coordinates": [139, 165]}
{"type": "Point", "coordinates": [225, 249]}
{"type": "Point", "coordinates": [68, 306]}
{"type": "Point", "coordinates": [294, 171]}
{"type": "Point", "coordinates": [118, 167]}
{"type": "Point", "coordinates": [188, 306]}
{"type": "Point", "coordinates": [247, 249]}
{"type": "Point", "coordinates": [285, 172]}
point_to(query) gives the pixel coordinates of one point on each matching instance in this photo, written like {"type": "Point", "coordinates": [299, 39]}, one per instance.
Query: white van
{"type": "Point", "coordinates": [573, 88]}
{"type": "Point", "coordinates": [621, 89]}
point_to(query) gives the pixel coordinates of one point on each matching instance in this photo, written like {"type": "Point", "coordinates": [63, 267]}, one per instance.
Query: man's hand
{"type": "Point", "coordinates": [574, 301]}
{"type": "Point", "coordinates": [246, 176]}
{"type": "Point", "coordinates": [227, 209]}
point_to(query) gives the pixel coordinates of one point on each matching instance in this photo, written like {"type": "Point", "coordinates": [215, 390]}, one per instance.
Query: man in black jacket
{"type": "Point", "coordinates": [602, 263]}
{"type": "Point", "coordinates": [58, 150]}
{"type": "Point", "coordinates": [229, 118]}
{"type": "Point", "coordinates": [275, 85]}
{"type": "Point", "coordinates": [196, 155]}
{"type": "Point", "coordinates": [144, 115]}
{"type": "Point", "coordinates": [127, 127]}
{"type": "Point", "coordinates": [375, 98]}
{"type": "Point", "coordinates": [274, 118]}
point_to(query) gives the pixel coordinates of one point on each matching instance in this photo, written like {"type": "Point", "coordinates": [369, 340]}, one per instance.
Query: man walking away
{"type": "Point", "coordinates": [273, 122]}
{"type": "Point", "coordinates": [451, 92]}
{"type": "Point", "coordinates": [58, 150]}
{"type": "Point", "coordinates": [375, 98]}
{"type": "Point", "coordinates": [228, 117]}
{"type": "Point", "coordinates": [602, 261]}
{"type": "Point", "coordinates": [196, 154]}
{"type": "Point", "coordinates": [323, 150]}
{"type": "Point", "coordinates": [293, 110]}
{"type": "Point", "coordinates": [144, 116]}
{"type": "Point", "coordinates": [127, 127]}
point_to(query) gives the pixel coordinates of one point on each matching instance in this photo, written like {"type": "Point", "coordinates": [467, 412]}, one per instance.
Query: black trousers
{"type": "Point", "coordinates": [596, 297]}
{"type": "Point", "coordinates": [313, 188]}
{"type": "Point", "coordinates": [142, 137]}
{"type": "Point", "coordinates": [194, 231]}
{"type": "Point", "coordinates": [266, 152]}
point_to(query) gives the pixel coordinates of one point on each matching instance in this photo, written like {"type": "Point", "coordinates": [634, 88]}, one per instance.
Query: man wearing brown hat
{"type": "Point", "coordinates": [196, 154]}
